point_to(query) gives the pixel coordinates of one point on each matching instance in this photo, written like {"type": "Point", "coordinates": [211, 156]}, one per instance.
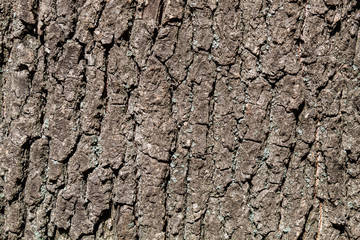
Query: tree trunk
{"type": "Point", "coordinates": [153, 119]}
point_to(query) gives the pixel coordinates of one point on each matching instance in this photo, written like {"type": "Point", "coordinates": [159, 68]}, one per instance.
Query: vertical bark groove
{"type": "Point", "coordinates": [219, 119]}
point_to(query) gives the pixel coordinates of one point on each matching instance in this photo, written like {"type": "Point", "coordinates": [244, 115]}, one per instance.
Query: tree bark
{"type": "Point", "coordinates": [153, 119]}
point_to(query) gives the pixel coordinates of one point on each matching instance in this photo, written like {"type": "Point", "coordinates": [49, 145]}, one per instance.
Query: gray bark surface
{"type": "Point", "coordinates": [153, 119]}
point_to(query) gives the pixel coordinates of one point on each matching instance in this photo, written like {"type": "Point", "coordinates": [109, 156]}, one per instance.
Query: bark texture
{"type": "Point", "coordinates": [175, 119]}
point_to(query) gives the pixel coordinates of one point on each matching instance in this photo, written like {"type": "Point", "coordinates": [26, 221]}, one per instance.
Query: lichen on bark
{"type": "Point", "coordinates": [219, 119]}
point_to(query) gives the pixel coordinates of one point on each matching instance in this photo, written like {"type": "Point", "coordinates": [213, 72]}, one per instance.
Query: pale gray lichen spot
{"type": "Point", "coordinates": [299, 131]}
{"type": "Point", "coordinates": [97, 150]}
{"type": "Point", "coordinates": [266, 153]}
{"type": "Point", "coordinates": [46, 123]}
{"type": "Point", "coordinates": [286, 230]}
{"type": "Point", "coordinates": [258, 66]}
{"type": "Point", "coordinates": [43, 191]}
{"type": "Point", "coordinates": [251, 217]}
{"type": "Point", "coordinates": [216, 41]}
{"type": "Point", "coordinates": [129, 53]}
